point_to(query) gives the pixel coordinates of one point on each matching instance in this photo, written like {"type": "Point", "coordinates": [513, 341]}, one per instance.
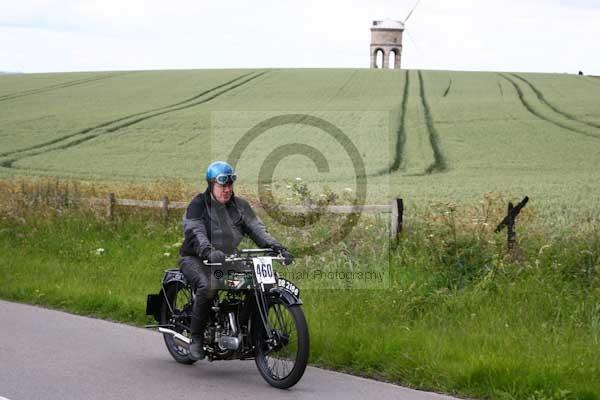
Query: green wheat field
{"type": "Point", "coordinates": [421, 135]}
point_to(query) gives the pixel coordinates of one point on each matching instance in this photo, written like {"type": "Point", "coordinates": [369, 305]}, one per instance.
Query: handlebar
{"type": "Point", "coordinates": [251, 251]}
{"type": "Point", "coordinates": [235, 257]}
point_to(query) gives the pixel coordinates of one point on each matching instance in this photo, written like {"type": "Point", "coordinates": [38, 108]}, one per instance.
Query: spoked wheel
{"type": "Point", "coordinates": [179, 297]}
{"type": "Point", "coordinates": [282, 360]}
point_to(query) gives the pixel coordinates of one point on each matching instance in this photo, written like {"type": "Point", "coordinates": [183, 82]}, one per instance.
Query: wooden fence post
{"type": "Point", "coordinates": [111, 206]}
{"type": "Point", "coordinates": [165, 208]}
{"type": "Point", "coordinates": [509, 223]}
{"type": "Point", "coordinates": [397, 217]}
{"type": "Point", "coordinates": [511, 235]}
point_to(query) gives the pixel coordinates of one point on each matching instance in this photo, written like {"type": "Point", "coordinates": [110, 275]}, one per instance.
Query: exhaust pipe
{"type": "Point", "coordinates": [178, 337]}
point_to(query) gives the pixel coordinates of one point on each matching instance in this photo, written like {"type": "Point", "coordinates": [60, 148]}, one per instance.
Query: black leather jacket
{"type": "Point", "coordinates": [208, 225]}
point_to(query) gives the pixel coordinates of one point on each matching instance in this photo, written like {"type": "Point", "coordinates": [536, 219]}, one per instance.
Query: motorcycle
{"type": "Point", "coordinates": [255, 314]}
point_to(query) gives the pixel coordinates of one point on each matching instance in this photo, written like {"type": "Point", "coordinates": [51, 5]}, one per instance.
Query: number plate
{"type": "Point", "coordinates": [263, 268]}
{"type": "Point", "coordinates": [289, 286]}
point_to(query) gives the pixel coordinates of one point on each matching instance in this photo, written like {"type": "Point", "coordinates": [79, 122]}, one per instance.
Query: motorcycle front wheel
{"type": "Point", "coordinates": [282, 361]}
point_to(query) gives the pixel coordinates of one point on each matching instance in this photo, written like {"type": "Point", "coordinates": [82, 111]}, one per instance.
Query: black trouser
{"type": "Point", "coordinates": [198, 275]}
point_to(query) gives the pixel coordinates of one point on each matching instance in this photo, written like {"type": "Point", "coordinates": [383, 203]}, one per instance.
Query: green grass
{"type": "Point", "coordinates": [455, 315]}
{"type": "Point", "coordinates": [445, 136]}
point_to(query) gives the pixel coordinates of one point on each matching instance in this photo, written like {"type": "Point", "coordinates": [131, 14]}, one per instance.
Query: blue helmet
{"type": "Point", "coordinates": [220, 172]}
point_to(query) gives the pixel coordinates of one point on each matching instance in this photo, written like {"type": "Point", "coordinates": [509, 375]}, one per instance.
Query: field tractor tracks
{"type": "Point", "coordinates": [204, 93]}
{"type": "Point", "coordinates": [114, 121]}
{"type": "Point", "coordinates": [183, 107]}
{"type": "Point", "coordinates": [439, 159]}
{"type": "Point", "coordinates": [440, 164]}
{"type": "Point", "coordinates": [63, 85]}
{"type": "Point", "coordinates": [401, 133]}
{"type": "Point", "coordinates": [529, 107]}
{"type": "Point", "coordinates": [345, 84]}
{"type": "Point", "coordinates": [401, 137]}
{"type": "Point", "coordinates": [541, 98]}
{"type": "Point", "coordinates": [101, 129]}
{"type": "Point", "coordinates": [448, 88]}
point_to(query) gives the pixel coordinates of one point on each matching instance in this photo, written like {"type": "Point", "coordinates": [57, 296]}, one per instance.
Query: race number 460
{"type": "Point", "coordinates": [263, 268]}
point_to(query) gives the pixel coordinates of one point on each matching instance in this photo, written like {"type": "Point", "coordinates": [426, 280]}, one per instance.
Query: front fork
{"type": "Point", "coordinates": [273, 336]}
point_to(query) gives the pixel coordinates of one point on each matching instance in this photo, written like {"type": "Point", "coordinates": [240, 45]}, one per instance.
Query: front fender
{"type": "Point", "coordinates": [285, 295]}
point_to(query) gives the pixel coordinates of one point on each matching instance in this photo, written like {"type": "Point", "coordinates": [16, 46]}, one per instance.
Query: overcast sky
{"type": "Point", "coordinates": [508, 35]}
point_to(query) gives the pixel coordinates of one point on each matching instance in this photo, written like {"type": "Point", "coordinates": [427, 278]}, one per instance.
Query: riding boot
{"type": "Point", "coordinates": [199, 320]}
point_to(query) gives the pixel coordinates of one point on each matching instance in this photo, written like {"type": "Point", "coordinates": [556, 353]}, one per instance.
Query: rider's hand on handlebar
{"type": "Point", "coordinates": [216, 256]}
{"type": "Point", "coordinates": [288, 257]}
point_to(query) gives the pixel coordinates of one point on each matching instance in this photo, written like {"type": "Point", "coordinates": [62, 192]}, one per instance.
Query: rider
{"type": "Point", "coordinates": [214, 225]}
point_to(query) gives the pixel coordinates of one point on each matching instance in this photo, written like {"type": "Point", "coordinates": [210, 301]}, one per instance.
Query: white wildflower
{"type": "Point", "coordinates": [298, 179]}
{"type": "Point", "coordinates": [99, 251]}
{"type": "Point", "coordinates": [348, 189]}
{"type": "Point", "coordinates": [167, 254]}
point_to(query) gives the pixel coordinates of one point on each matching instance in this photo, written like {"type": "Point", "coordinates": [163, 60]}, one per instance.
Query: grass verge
{"type": "Point", "coordinates": [457, 316]}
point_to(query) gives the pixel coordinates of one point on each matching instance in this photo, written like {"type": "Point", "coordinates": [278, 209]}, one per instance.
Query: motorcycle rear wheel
{"type": "Point", "coordinates": [178, 296]}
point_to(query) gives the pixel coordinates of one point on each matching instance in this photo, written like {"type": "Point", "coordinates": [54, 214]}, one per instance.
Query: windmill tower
{"type": "Point", "coordinates": [386, 41]}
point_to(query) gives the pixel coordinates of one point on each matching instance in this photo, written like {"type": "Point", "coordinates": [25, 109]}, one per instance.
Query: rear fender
{"type": "Point", "coordinates": [154, 302]}
{"type": "Point", "coordinates": [173, 275]}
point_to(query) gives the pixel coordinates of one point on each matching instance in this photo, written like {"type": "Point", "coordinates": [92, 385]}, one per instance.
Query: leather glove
{"type": "Point", "coordinates": [216, 256]}
{"type": "Point", "coordinates": [288, 257]}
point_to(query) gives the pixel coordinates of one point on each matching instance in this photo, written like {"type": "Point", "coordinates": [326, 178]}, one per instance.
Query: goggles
{"type": "Point", "coordinates": [223, 179]}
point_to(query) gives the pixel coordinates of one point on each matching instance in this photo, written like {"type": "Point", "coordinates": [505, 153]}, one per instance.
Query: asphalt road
{"type": "Point", "coordinates": [47, 354]}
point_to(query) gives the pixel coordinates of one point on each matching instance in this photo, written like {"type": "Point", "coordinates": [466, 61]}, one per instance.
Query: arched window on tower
{"type": "Point", "coordinates": [392, 58]}
{"type": "Point", "coordinates": [379, 55]}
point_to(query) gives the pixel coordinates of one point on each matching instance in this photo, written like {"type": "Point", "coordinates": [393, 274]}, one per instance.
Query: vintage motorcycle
{"type": "Point", "coordinates": [255, 315]}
